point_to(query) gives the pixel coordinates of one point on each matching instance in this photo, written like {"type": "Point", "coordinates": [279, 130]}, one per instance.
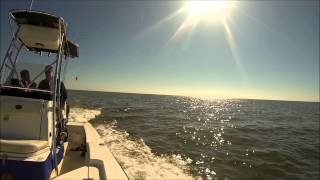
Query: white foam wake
{"type": "Point", "coordinates": [83, 115]}
{"type": "Point", "coordinates": [134, 156]}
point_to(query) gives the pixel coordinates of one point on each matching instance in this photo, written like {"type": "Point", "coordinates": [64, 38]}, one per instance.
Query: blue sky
{"type": "Point", "coordinates": [125, 46]}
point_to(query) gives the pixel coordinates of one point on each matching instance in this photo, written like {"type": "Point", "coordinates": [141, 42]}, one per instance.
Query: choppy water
{"type": "Point", "coordinates": [180, 137]}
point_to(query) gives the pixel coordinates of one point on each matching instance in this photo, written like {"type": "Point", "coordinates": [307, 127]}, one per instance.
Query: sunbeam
{"type": "Point", "coordinates": [255, 20]}
{"type": "Point", "coordinates": [205, 12]}
{"type": "Point", "coordinates": [160, 23]}
{"type": "Point", "coordinates": [234, 49]}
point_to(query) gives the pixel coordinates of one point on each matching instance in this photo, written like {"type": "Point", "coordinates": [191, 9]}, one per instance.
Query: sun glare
{"type": "Point", "coordinates": [209, 11]}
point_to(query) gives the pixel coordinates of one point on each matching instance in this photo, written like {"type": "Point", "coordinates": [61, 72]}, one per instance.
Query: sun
{"type": "Point", "coordinates": [206, 12]}
{"type": "Point", "coordinates": [209, 11]}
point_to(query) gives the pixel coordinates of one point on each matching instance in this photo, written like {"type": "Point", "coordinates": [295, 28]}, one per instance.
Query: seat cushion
{"type": "Point", "coordinates": [22, 146]}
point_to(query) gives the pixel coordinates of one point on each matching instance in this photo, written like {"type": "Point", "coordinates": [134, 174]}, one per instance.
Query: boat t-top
{"type": "Point", "coordinates": [37, 141]}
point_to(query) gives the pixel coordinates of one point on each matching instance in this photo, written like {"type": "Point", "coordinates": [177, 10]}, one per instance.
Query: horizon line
{"type": "Point", "coordinates": [198, 97]}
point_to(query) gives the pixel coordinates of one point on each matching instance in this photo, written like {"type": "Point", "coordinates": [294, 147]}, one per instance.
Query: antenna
{"type": "Point", "coordinates": [31, 5]}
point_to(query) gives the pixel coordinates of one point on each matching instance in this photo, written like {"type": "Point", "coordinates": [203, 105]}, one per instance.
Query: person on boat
{"type": "Point", "coordinates": [25, 79]}
{"type": "Point", "coordinates": [46, 84]}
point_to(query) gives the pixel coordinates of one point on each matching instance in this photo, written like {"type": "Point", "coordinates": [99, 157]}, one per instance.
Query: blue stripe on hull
{"type": "Point", "coordinates": [29, 169]}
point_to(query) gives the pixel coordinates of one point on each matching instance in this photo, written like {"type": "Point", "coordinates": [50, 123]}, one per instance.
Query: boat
{"type": "Point", "coordinates": [37, 140]}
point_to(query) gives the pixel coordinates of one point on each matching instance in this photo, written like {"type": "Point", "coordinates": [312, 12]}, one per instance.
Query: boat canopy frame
{"type": "Point", "coordinates": [43, 19]}
{"type": "Point", "coordinates": [31, 20]}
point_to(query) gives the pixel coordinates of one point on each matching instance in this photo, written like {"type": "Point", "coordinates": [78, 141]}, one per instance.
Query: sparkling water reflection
{"type": "Point", "coordinates": [225, 139]}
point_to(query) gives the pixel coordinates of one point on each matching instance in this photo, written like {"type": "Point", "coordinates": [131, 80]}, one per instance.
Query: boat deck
{"type": "Point", "coordinates": [73, 160]}
{"type": "Point", "coordinates": [74, 166]}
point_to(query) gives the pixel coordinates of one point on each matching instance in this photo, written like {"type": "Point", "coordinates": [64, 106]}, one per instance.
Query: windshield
{"type": "Point", "coordinates": [32, 71]}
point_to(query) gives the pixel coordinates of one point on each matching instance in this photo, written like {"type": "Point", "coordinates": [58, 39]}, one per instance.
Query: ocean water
{"type": "Point", "coordinates": [172, 137]}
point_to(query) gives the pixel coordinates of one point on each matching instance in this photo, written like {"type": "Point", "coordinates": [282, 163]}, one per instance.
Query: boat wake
{"type": "Point", "coordinates": [133, 155]}
{"type": "Point", "coordinates": [83, 115]}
